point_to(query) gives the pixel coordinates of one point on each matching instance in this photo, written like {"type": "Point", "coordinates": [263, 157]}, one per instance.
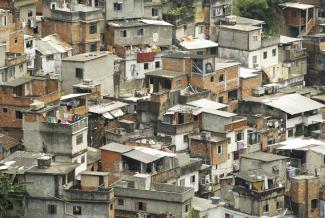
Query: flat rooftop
{"type": "Point", "coordinates": [239, 27]}
{"type": "Point", "coordinates": [287, 103]}
{"type": "Point", "coordinates": [263, 156]}
{"type": "Point", "coordinates": [84, 57]}
{"type": "Point", "coordinates": [136, 23]}
{"type": "Point", "coordinates": [166, 74]}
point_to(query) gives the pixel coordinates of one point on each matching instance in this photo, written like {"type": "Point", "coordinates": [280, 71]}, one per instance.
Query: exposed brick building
{"type": "Point", "coordinates": [76, 24]}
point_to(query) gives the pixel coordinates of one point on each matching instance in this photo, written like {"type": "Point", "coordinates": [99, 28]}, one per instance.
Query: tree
{"type": "Point", "coordinates": [265, 10]}
{"type": "Point", "coordinates": [8, 194]}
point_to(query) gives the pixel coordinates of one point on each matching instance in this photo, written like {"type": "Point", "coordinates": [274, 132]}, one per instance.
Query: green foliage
{"type": "Point", "coordinates": [265, 10]}
{"type": "Point", "coordinates": [177, 11]}
{"type": "Point", "coordinates": [194, 214]}
{"type": "Point", "coordinates": [8, 188]}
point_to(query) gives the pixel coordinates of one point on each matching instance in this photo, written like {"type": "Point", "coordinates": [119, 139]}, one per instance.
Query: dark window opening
{"type": "Point", "coordinates": [157, 64]}
{"type": "Point", "coordinates": [221, 78]}
{"type": "Point", "coordinates": [233, 95]}
{"type": "Point", "coordinates": [19, 115]}
{"type": "Point", "coordinates": [51, 209]}
{"type": "Point", "coordinates": [142, 206]}
{"type": "Point", "coordinates": [79, 73]}
{"type": "Point", "coordinates": [120, 201]}
{"type": "Point", "coordinates": [117, 6]}
{"type": "Point", "coordinates": [76, 210]}
{"type": "Point", "coordinates": [314, 203]}
{"type": "Point", "coordinates": [93, 28]}
{"type": "Point", "coordinates": [146, 66]}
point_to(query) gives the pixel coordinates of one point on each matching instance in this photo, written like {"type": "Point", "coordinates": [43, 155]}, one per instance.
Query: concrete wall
{"type": "Point", "coordinates": [239, 39]}
{"type": "Point", "coordinates": [209, 122]}
{"type": "Point", "coordinates": [150, 32]}
{"type": "Point", "coordinates": [99, 70]}
{"type": "Point", "coordinates": [188, 182]}
{"type": "Point", "coordinates": [130, 9]}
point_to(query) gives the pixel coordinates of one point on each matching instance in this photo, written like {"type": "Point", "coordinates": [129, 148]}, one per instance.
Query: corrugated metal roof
{"type": "Point", "coordinates": [248, 72]}
{"type": "Point", "coordinates": [155, 152]}
{"type": "Point", "coordinates": [141, 156]}
{"type": "Point", "coordinates": [296, 5]}
{"type": "Point", "coordinates": [103, 108]}
{"type": "Point", "coordinates": [206, 103]}
{"type": "Point", "coordinates": [51, 44]}
{"type": "Point", "coordinates": [198, 44]}
{"type": "Point", "coordinates": [263, 156]}
{"type": "Point", "coordinates": [287, 40]}
{"type": "Point", "coordinates": [116, 147]}
{"type": "Point", "coordinates": [65, 97]}
{"type": "Point", "coordinates": [293, 103]}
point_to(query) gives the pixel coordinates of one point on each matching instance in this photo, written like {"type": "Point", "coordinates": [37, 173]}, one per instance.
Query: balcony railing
{"type": "Point", "coordinates": [176, 129]}
{"type": "Point", "coordinates": [293, 54]}
{"type": "Point", "coordinates": [69, 128]}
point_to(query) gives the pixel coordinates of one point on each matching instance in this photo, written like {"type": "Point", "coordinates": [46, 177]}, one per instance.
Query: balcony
{"type": "Point", "coordinates": [293, 122]}
{"type": "Point", "coordinates": [69, 128]}
{"type": "Point", "coordinates": [175, 129]}
{"type": "Point", "coordinates": [294, 54]}
{"type": "Point", "coordinates": [15, 59]}
{"type": "Point", "coordinates": [309, 120]}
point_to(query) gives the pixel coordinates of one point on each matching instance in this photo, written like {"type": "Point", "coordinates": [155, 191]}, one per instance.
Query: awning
{"type": "Point", "coordinates": [107, 115]}
{"type": "Point", "coordinates": [117, 113]}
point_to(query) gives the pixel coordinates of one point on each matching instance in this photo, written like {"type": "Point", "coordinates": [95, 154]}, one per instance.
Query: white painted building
{"type": "Point", "coordinates": [50, 51]}
{"type": "Point", "coordinates": [30, 50]}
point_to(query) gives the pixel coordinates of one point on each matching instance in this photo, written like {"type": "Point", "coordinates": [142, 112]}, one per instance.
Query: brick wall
{"type": "Point", "coordinates": [247, 85]}
{"type": "Point", "coordinates": [201, 149]}
{"type": "Point", "coordinates": [177, 64]}
{"type": "Point", "coordinates": [110, 161]}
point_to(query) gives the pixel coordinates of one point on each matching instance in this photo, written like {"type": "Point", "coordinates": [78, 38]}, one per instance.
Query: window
{"type": "Point", "coordinates": [11, 72]}
{"type": "Point", "coordinates": [142, 206]}
{"type": "Point", "coordinates": [140, 32]}
{"type": "Point", "coordinates": [187, 208]}
{"type": "Point", "coordinates": [254, 59]}
{"type": "Point", "coordinates": [51, 209]}
{"type": "Point", "coordinates": [50, 58]}
{"type": "Point", "coordinates": [93, 47]}
{"type": "Point", "coordinates": [314, 203]}
{"type": "Point", "coordinates": [220, 100]}
{"type": "Point", "coordinates": [278, 205]}
{"type": "Point", "coordinates": [76, 210]}
{"type": "Point", "coordinates": [29, 44]}
{"type": "Point", "coordinates": [83, 159]}
{"type": "Point", "coordinates": [16, 40]}
{"type": "Point", "coordinates": [79, 73]}
{"type": "Point", "coordinates": [120, 201]}
{"type": "Point", "coordinates": [154, 12]}
{"type": "Point", "coordinates": [4, 21]}
{"type": "Point", "coordinates": [265, 55]}
{"type": "Point", "coordinates": [30, 13]}
{"type": "Point", "coordinates": [111, 206]}
{"type": "Point", "coordinates": [193, 178]}
{"type": "Point", "coordinates": [255, 38]}
{"type": "Point", "coordinates": [182, 182]}
{"type": "Point", "coordinates": [21, 67]}
{"type": "Point", "coordinates": [239, 136]}
{"type": "Point", "coordinates": [79, 139]}
{"type": "Point", "coordinates": [273, 52]}
{"type": "Point", "coordinates": [157, 64]}
{"type": "Point", "coordinates": [266, 208]}
{"type": "Point", "coordinates": [185, 138]}
{"type": "Point", "coordinates": [19, 115]}
{"type": "Point", "coordinates": [53, 6]}
{"type": "Point", "coordinates": [146, 66]}
{"type": "Point", "coordinates": [93, 28]}
{"type": "Point", "coordinates": [219, 149]}
{"type": "Point", "coordinates": [211, 79]}
{"type": "Point", "coordinates": [201, 29]}
{"type": "Point", "coordinates": [290, 132]}
{"type": "Point", "coordinates": [123, 33]}
{"type": "Point", "coordinates": [221, 78]}
{"type": "Point", "coordinates": [233, 95]}
{"type": "Point", "coordinates": [117, 6]}
{"type": "Point", "coordinates": [5, 110]}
